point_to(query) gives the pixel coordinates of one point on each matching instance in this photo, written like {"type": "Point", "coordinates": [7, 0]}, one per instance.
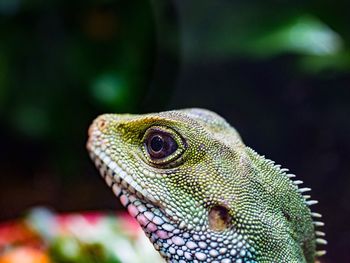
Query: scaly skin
{"type": "Point", "coordinates": [199, 193]}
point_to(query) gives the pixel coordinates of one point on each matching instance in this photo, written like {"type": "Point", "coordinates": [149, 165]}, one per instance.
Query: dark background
{"type": "Point", "coordinates": [278, 71]}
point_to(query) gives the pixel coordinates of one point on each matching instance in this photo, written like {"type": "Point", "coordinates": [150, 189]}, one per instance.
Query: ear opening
{"type": "Point", "coordinates": [219, 218]}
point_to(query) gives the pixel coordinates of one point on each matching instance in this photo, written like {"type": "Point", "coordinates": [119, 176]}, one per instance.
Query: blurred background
{"type": "Point", "coordinates": [278, 71]}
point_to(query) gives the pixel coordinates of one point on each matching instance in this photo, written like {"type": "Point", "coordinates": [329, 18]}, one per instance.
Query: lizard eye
{"type": "Point", "coordinates": [162, 145]}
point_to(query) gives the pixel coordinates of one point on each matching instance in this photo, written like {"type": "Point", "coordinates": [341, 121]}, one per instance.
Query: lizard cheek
{"type": "Point", "coordinates": [219, 218]}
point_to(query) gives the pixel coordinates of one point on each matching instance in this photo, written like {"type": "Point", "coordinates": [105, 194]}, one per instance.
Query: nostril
{"type": "Point", "coordinates": [219, 218]}
{"type": "Point", "coordinates": [101, 124]}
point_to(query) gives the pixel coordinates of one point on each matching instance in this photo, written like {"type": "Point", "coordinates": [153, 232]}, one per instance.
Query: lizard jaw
{"type": "Point", "coordinates": [139, 203]}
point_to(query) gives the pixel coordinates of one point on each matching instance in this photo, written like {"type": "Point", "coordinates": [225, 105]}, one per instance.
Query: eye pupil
{"type": "Point", "coordinates": [157, 143]}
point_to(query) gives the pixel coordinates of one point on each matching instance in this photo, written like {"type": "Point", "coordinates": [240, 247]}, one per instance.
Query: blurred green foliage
{"type": "Point", "coordinates": [56, 54]}
{"type": "Point", "coordinates": [62, 64]}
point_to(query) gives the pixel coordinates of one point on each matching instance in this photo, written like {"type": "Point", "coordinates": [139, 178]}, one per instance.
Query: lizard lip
{"type": "Point", "coordinates": [115, 174]}
{"type": "Point", "coordinates": [139, 203]}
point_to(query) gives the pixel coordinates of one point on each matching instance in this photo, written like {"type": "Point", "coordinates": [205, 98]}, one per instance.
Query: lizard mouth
{"type": "Point", "coordinates": [139, 203]}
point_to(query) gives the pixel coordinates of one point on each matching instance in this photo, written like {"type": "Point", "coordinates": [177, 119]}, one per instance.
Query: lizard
{"type": "Point", "coordinates": [199, 193]}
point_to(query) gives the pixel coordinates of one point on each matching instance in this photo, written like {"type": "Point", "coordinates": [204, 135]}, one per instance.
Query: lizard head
{"type": "Point", "coordinates": [197, 190]}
